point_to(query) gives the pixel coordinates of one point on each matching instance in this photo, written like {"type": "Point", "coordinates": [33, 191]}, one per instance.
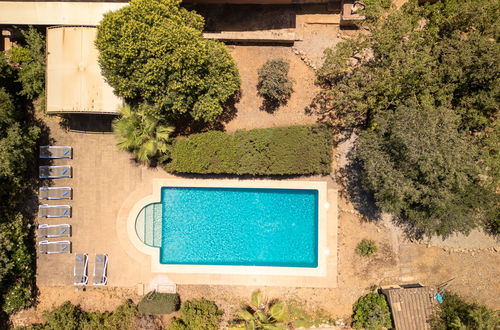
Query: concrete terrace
{"type": "Point", "coordinates": [106, 184]}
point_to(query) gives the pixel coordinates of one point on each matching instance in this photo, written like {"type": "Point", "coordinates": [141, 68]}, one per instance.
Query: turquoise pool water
{"type": "Point", "coordinates": [250, 227]}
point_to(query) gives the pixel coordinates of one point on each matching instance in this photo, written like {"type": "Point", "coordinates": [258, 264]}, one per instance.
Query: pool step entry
{"type": "Point", "coordinates": [148, 224]}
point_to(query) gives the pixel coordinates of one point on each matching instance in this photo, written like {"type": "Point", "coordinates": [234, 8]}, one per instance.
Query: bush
{"type": "Point", "coordinates": [456, 313]}
{"type": "Point", "coordinates": [371, 312]}
{"type": "Point", "coordinates": [274, 84]}
{"type": "Point", "coordinates": [159, 303]}
{"type": "Point", "coordinates": [366, 248]}
{"type": "Point", "coordinates": [293, 150]}
{"type": "Point", "coordinates": [71, 317]}
{"type": "Point", "coordinates": [197, 314]}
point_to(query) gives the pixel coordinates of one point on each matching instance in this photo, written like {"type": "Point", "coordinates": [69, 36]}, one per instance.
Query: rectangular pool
{"type": "Point", "coordinates": [239, 226]}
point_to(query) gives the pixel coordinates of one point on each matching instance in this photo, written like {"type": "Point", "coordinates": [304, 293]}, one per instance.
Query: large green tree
{"type": "Point", "coordinates": [423, 87]}
{"type": "Point", "coordinates": [153, 51]}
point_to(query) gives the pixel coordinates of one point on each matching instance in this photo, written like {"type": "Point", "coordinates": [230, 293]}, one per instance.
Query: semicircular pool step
{"type": "Point", "coordinates": [151, 219]}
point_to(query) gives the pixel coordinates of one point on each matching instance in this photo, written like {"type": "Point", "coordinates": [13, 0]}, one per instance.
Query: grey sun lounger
{"type": "Point", "coordinates": [100, 268]}
{"type": "Point", "coordinates": [80, 276]}
{"type": "Point", "coordinates": [55, 193]}
{"type": "Point", "coordinates": [55, 172]}
{"type": "Point", "coordinates": [54, 211]}
{"type": "Point", "coordinates": [52, 231]}
{"type": "Point", "coordinates": [56, 152]}
{"type": "Point", "coordinates": [54, 247]}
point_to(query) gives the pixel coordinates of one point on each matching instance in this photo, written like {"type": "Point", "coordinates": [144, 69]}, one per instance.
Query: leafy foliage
{"type": "Point", "coordinates": [371, 312]}
{"type": "Point", "coordinates": [366, 248]}
{"type": "Point", "coordinates": [274, 84]}
{"type": "Point", "coordinates": [261, 314]}
{"type": "Point", "coordinates": [457, 314]}
{"type": "Point", "coordinates": [152, 51]}
{"type": "Point", "coordinates": [144, 135]}
{"type": "Point", "coordinates": [424, 88]}
{"type": "Point", "coordinates": [18, 137]}
{"type": "Point", "coordinates": [159, 303]}
{"type": "Point", "coordinates": [31, 60]}
{"type": "Point", "coordinates": [197, 314]}
{"type": "Point", "coordinates": [270, 151]}
{"type": "Point", "coordinates": [71, 317]}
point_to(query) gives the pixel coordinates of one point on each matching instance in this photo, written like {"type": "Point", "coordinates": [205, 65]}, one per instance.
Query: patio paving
{"type": "Point", "coordinates": [106, 183]}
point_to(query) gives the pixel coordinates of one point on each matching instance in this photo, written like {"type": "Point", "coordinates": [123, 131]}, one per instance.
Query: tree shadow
{"type": "Point", "coordinates": [350, 177]}
{"type": "Point", "coordinates": [271, 105]}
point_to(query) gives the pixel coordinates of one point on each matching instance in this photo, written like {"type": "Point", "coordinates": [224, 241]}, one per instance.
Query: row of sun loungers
{"type": "Point", "coordinates": [80, 276]}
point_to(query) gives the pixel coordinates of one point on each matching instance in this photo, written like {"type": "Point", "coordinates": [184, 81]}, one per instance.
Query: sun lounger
{"type": "Point", "coordinates": [80, 276]}
{"type": "Point", "coordinates": [100, 268]}
{"type": "Point", "coordinates": [46, 247]}
{"type": "Point", "coordinates": [52, 231]}
{"type": "Point", "coordinates": [54, 211]}
{"type": "Point", "coordinates": [55, 193]}
{"type": "Point", "coordinates": [56, 152]}
{"type": "Point", "coordinates": [55, 172]}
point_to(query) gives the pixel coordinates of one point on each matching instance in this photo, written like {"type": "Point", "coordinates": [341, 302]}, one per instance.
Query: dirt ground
{"type": "Point", "coordinates": [472, 263]}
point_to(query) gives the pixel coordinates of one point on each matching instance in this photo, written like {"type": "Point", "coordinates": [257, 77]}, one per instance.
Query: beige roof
{"type": "Point", "coordinates": [74, 81]}
{"type": "Point", "coordinates": [411, 307]}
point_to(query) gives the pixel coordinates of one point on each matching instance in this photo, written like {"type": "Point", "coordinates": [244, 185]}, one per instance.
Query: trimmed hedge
{"type": "Point", "coordinates": [159, 303]}
{"type": "Point", "coordinates": [291, 150]}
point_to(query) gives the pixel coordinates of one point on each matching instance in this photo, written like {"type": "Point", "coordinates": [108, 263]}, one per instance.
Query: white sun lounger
{"type": "Point", "coordinates": [56, 152]}
{"type": "Point", "coordinates": [54, 211]}
{"type": "Point", "coordinates": [53, 231]}
{"type": "Point", "coordinates": [80, 276]}
{"type": "Point", "coordinates": [55, 172]}
{"type": "Point", "coordinates": [54, 247]}
{"type": "Point", "coordinates": [55, 193]}
{"type": "Point", "coordinates": [100, 268]}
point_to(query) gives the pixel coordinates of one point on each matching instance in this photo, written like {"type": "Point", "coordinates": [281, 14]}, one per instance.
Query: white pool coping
{"type": "Point", "coordinates": [157, 267]}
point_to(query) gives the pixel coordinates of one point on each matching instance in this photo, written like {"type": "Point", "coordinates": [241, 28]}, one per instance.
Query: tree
{"type": "Point", "coordinates": [274, 84]}
{"type": "Point", "coordinates": [30, 57]}
{"type": "Point", "coordinates": [422, 168]}
{"type": "Point", "coordinates": [371, 312]}
{"type": "Point", "coordinates": [197, 314]}
{"type": "Point", "coordinates": [423, 88]}
{"type": "Point", "coordinates": [153, 51]}
{"type": "Point", "coordinates": [457, 314]}
{"type": "Point", "coordinates": [146, 136]}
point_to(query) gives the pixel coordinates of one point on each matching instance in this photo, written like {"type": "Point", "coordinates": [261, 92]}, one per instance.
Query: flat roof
{"type": "Point", "coordinates": [74, 81]}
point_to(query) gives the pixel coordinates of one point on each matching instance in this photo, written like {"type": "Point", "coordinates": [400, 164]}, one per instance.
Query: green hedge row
{"type": "Point", "coordinates": [291, 150]}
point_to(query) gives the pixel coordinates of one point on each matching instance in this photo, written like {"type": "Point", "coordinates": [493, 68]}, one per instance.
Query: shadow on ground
{"type": "Point", "coordinates": [88, 123]}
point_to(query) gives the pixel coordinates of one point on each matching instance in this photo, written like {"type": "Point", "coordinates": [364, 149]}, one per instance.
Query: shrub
{"type": "Point", "coordinates": [293, 150]}
{"type": "Point", "coordinates": [159, 303]}
{"type": "Point", "coordinates": [456, 313]}
{"type": "Point", "coordinates": [274, 84]}
{"type": "Point", "coordinates": [371, 312]}
{"type": "Point", "coordinates": [366, 248]}
{"type": "Point", "coordinates": [197, 314]}
{"type": "Point", "coordinates": [70, 317]}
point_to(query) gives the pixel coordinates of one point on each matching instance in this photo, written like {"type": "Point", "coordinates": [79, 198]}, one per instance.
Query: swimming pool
{"type": "Point", "coordinates": [239, 226]}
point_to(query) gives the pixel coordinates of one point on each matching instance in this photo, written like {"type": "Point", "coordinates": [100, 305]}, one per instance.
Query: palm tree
{"type": "Point", "coordinates": [260, 314]}
{"type": "Point", "coordinates": [144, 135]}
